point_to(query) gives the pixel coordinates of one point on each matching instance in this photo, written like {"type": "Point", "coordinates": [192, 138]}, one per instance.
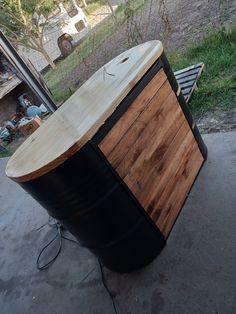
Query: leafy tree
{"type": "Point", "coordinates": [21, 20]}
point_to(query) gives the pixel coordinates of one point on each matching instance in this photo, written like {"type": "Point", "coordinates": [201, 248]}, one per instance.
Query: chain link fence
{"type": "Point", "coordinates": [110, 27]}
{"type": "Point", "coordinates": [117, 25]}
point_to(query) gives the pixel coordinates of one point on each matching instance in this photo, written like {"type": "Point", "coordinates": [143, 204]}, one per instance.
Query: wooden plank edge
{"type": "Point", "coordinates": [166, 230]}
{"type": "Point", "coordinates": [192, 67]}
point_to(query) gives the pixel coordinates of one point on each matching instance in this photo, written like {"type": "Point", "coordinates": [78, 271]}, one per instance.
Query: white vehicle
{"type": "Point", "coordinates": [67, 26]}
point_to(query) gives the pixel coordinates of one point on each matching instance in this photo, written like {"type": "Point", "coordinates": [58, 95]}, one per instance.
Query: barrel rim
{"type": "Point", "coordinates": [149, 53]}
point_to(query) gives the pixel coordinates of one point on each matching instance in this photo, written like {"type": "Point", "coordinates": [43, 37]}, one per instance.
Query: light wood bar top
{"type": "Point", "coordinates": [81, 116]}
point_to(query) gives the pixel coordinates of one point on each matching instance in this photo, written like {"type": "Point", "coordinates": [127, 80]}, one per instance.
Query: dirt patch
{"type": "Point", "coordinates": [98, 15]}
{"type": "Point", "coordinates": [218, 121]}
{"type": "Point", "coordinates": [177, 23]}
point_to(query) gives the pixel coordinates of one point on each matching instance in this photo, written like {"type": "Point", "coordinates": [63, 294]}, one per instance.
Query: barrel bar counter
{"type": "Point", "coordinates": [115, 163]}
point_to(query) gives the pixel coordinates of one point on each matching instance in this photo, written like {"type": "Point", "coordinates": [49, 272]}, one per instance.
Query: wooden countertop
{"type": "Point", "coordinates": [81, 116]}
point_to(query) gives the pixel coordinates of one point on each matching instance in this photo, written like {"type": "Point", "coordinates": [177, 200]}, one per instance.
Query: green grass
{"type": "Point", "coordinates": [5, 154]}
{"type": "Point", "coordinates": [217, 86]}
{"type": "Point", "coordinates": [104, 30]}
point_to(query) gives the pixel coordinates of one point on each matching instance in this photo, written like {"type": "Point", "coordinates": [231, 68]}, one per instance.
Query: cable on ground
{"type": "Point", "coordinates": [59, 235]}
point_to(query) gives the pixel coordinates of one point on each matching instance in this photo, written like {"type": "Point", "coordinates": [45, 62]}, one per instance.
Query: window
{"type": "Point", "coordinates": [71, 9]}
{"type": "Point", "coordinates": [80, 26]}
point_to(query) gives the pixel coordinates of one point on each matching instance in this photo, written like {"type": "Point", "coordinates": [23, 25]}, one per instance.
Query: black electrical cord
{"type": "Point", "coordinates": [106, 287]}
{"type": "Point", "coordinates": [59, 235]}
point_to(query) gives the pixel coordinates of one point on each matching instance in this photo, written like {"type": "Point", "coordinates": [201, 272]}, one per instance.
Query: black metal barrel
{"type": "Point", "coordinates": [84, 192]}
{"type": "Point", "coordinates": [89, 200]}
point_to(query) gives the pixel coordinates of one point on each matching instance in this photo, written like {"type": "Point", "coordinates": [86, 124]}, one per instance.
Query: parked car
{"type": "Point", "coordinates": [66, 27]}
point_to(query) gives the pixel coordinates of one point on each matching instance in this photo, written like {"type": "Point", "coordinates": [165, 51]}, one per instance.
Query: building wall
{"type": "Point", "coordinates": [9, 103]}
{"type": "Point", "coordinates": [24, 88]}
{"type": "Point", "coordinates": [8, 107]}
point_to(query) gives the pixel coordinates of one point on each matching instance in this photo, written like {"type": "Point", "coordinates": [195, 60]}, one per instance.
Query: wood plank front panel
{"type": "Point", "coordinates": [134, 111]}
{"type": "Point", "coordinates": [153, 150]}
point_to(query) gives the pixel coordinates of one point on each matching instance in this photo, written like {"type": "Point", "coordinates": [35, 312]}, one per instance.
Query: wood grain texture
{"type": "Point", "coordinates": [172, 160]}
{"type": "Point", "coordinates": [157, 155]}
{"type": "Point", "coordinates": [155, 147]}
{"type": "Point", "coordinates": [140, 152]}
{"type": "Point", "coordinates": [184, 179]}
{"type": "Point", "coordinates": [123, 143]}
{"type": "Point", "coordinates": [81, 116]}
{"type": "Point", "coordinates": [155, 181]}
{"type": "Point", "coordinates": [137, 107]}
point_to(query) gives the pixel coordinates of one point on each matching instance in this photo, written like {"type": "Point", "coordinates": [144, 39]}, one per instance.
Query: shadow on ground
{"type": "Point", "coordinates": [195, 273]}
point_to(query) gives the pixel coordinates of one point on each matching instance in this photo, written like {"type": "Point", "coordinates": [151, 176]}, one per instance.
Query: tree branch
{"type": "Point", "coordinates": [34, 42]}
{"type": "Point", "coordinates": [14, 17]}
{"type": "Point", "coordinates": [14, 38]}
{"type": "Point", "coordinates": [21, 12]}
{"type": "Point", "coordinates": [8, 30]}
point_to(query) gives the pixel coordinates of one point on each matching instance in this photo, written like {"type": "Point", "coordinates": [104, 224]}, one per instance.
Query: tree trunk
{"type": "Point", "coordinates": [84, 3]}
{"type": "Point", "coordinates": [48, 58]}
{"type": "Point", "coordinates": [40, 48]}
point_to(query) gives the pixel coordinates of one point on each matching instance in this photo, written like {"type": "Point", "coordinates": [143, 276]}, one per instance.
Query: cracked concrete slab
{"type": "Point", "coordinates": [195, 273]}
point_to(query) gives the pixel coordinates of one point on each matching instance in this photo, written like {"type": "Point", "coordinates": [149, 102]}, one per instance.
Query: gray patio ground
{"type": "Point", "coordinates": [195, 273]}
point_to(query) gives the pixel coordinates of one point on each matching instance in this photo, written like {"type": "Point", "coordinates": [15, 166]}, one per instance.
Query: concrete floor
{"type": "Point", "coordinates": [195, 273]}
